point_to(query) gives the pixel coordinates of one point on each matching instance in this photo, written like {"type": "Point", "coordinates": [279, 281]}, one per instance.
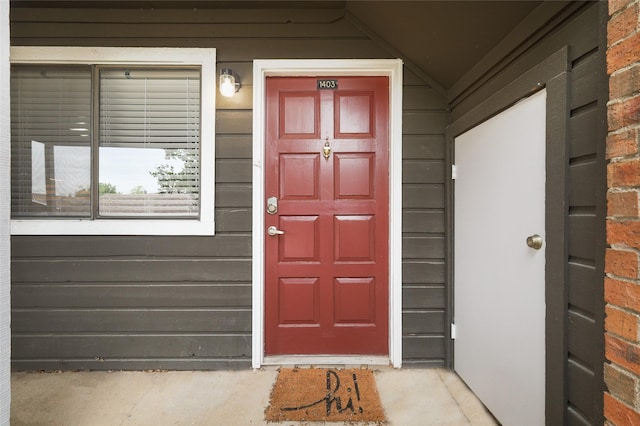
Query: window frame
{"type": "Point", "coordinates": [205, 59]}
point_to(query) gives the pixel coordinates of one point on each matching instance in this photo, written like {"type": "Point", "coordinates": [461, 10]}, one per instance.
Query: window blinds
{"type": "Point", "coordinates": [50, 141]}
{"type": "Point", "coordinates": [142, 159]}
{"type": "Point", "coordinates": [152, 116]}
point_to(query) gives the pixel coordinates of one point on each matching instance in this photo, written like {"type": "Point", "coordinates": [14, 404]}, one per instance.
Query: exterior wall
{"type": "Point", "coordinates": [622, 281]}
{"type": "Point", "coordinates": [185, 302]}
{"type": "Point", "coordinates": [423, 226]}
{"type": "Point", "coordinates": [574, 374]}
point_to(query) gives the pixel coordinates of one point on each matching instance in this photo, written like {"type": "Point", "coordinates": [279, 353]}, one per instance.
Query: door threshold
{"type": "Point", "coordinates": [326, 360]}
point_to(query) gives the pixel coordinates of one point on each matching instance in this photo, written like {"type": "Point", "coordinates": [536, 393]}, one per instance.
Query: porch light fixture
{"type": "Point", "coordinates": [228, 84]}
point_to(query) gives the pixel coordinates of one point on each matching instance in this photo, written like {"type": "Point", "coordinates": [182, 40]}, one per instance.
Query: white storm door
{"type": "Point", "coordinates": [499, 296]}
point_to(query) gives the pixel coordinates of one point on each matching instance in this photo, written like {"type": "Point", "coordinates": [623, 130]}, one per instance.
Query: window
{"type": "Point", "coordinates": [112, 141]}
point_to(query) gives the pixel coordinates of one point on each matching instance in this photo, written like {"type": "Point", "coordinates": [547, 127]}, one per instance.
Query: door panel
{"type": "Point", "coordinates": [299, 174]}
{"type": "Point", "coordinates": [299, 115]}
{"type": "Point", "coordinates": [354, 238]}
{"type": "Point", "coordinates": [327, 163]}
{"type": "Point", "coordinates": [298, 302]}
{"type": "Point", "coordinates": [349, 289]}
{"type": "Point", "coordinates": [354, 175]}
{"type": "Point", "coordinates": [302, 242]}
{"type": "Point", "coordinates": [355, 113]}
{"type": "Point", "coordinates": [499, 280]}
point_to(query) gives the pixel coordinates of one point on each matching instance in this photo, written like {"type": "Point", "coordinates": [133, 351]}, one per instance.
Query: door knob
{"type": "Point", "coordinates": [272, 230]}
{"type": "Point", "coordinates": [535, 241]}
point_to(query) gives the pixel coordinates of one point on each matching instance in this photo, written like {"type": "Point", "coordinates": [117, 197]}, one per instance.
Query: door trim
{"type": "Point", "coordinates": [391, 68]}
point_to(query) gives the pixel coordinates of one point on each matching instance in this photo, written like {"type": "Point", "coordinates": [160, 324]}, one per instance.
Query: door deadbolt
{"type": "Point", "coordinates": [272, 205]}
{"type": "Point", "coordinates": [535, 241]}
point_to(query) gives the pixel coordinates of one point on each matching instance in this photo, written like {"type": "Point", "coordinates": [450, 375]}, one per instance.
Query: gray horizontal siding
{"type": "Point", "coordinates": [132, 346]}
{"type": "Point", "coordinates": [423, 171]}
{"type": "Point", "coordinates": [185, 302]}
{"type": "Point", "coordinates": [423, 350]}
{"type": "Point", "coordinates": [582, 245]}
{"type": "Point", "coordinates": [227, 245]}
{"type": "Point", "coordinates": [424, 296]}
{"type": "Point", "coordinates": [143, 363]}
{"type": "Point", "coordinates": [581, 282]}
{"type": "Point", "coordinates": [131, 320]}
{"type": "Point", "coordinates": [429, 271]}
{"type": "Point", "coordinates": [141, 270]}
{"type": "Point", "coordinates": [340, 29]}
{"type": "Point", "coordinates": [231, 219]}
{"type": "Point", "coordinates": [414, 322]}
{"type": "Point", "coordinates": [582, 339]}
{"type": "Point", "coordinates": [146, 363]}
{"type": "Point", "coordinates": [586, 248]}
{"type": "Point", "coordinates": [583, 127]}
{"type": "Point", "coordinates": [125, 295]}
{"type": "Point", "coordinates": [417, 247]}
{"type": "Point", "coordinates": [580, 382]}
{"type": "Point", "coordinates": [241, 17]}
{"type": "Point", "coordinates": [425, 196]}
{"type": "Point", "coordinates": [423, 228]}
{"type": "Point", "coordinates": [423, 122]}
{"type": "Point", "coordinates": [423, 221]}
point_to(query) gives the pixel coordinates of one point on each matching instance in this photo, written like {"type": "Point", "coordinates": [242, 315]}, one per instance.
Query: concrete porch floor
{"type": "Point", "coordinates": [409, 397]}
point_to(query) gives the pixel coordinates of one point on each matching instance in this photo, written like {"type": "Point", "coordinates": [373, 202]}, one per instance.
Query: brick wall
{"type": "Point", "coordinates": [622, 281]}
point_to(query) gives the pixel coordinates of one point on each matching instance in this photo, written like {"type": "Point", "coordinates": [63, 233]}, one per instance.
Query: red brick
{"type": "Point", "coordinates": [622, 384]}
{"type": "Point", "coordinates": [624, 232]}
{"type": "Point", "coordinates": [621, 263]}
{"type": "Point", "coordinates": [622, 353]}
{"type": "Point", "coordinates": [621, 323]}
{"type": "Point", "coordinates": [618, 413]}
{"type": "Point", "coordinates": [625, 143]}
{"type": "Point", "coordinates": [623, 204]}
{"type": "Point", "coordinates": [626, 173]}
{"type": "Point", "coordinates": [624, 294]}
{"type": "Point", "coordinates": [624, 113]}
{"type": "Point", "coordinates": [623, 54]}
{"type": "Point", "coordinates": [622, 24]}
{"type": "Point", "coordinates": [617, 5]}
{"type": "Point", "coordinates": [625, 82]}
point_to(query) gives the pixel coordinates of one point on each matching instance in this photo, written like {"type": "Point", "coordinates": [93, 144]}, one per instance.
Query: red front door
{"type": "Point", "coordinates": [327, 169]}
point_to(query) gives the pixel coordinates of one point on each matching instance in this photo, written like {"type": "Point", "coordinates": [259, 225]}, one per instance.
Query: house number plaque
{"type": "Point", "coordinates": [327, 84]}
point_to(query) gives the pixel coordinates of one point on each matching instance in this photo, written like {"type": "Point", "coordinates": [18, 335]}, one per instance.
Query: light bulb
{"type": "Point", "coordinates": [227, 83]}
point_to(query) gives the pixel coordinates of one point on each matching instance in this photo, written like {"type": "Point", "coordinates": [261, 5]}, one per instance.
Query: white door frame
{"type": "Point", "coordinates": [357, 67]}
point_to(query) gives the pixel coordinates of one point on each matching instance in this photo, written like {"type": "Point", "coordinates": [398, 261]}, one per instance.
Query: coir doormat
{"type": "Point", "coordinates": [328, 395]}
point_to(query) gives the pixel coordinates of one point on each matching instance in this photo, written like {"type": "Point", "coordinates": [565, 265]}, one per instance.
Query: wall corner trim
{"type": "Point", "coordinates": [5, 214]}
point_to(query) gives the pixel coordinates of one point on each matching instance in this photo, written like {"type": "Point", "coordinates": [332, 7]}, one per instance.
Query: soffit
{"type": "Point", "coordinates": [443, 38]}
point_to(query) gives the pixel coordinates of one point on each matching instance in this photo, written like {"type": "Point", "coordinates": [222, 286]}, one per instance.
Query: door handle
{"type": "Point", "coordinates": [535, 241]}
{"type": "Point", "coordinates": [272, 230]}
